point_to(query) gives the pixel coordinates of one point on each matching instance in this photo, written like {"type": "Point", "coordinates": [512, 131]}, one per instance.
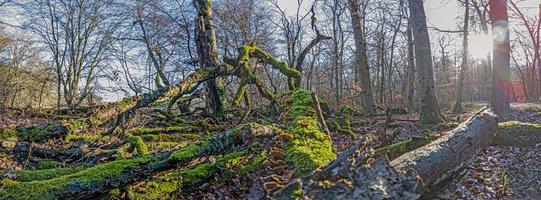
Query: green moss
{"type": "Point", "coordinates": [6, 133]}
{"type": "Point", "coordinates": [239, 94]}
{"type": "Point", "coordinates": [164, 186]}
{"type": "Point", "coordinates": [310, 147]}
{"type": "Point", "coordinates": [346, 110]}
{"type": "Point", "coordinates": [40, 132]}
{"type": "Point", "coordinates": [139, 145]}
{"type": "Point", "coordinates": [254, 164]}
{"type": "Point", "coordinates": [297, 193]}
{"type": "Point", "coordinates": [169, 129]}
{"type": "Point", "coordinates": [170, 137]}
{"type": "Point", "coordinates": [222, 142]}
{"type": "Point", "coordinates": [53, 188]}
{"type": "Point", "coordinates": [517, 127]}
{"type": "Point", "coordinates": [405, 146]}
{"type": "Point", "coordinates": [39, 175]}
{"type": "Point", "coordinates": [157, 190]}
{"type": "Point", "coordinates": [189, 152]}
{"type": "Point", "coordinates": [159, 146]}
{"type": "Point", "coordinates": [446, 126]}
{"type": "Point", "coordinates": [47, 164]}
{"type": "Point", "coordinates": [514, 133]}
{"type": "Point", "coordinates": [246, 51]}
{"type": "Point", "coordinates": [83, 137]}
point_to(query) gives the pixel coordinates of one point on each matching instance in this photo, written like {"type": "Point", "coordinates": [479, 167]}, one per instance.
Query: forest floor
{"type": "Point", "coordinates": [496, 173]}
{"type": "Point", "coordinates": [505, 172]}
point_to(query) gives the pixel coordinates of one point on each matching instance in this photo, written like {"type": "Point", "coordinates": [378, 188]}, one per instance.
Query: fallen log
{"type": "Point", "coordinates": [359, 173]}
{"type": "Point", "coordinates": [448, 154]}
{"type": "Point", "coordinates": [354, 175]}
{"type": "Point", "coordinates": [520, 134]}
{"type": "Point", "coordinates": [33, 133]}
{"type": "Point", "coordinates": [100, 179]}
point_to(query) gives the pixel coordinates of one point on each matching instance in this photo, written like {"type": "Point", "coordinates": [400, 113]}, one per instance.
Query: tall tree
{"type": "Point", "coordinates": [410, 90]}
{"type": "Point", "coordinates": [361, 59]}
{"type": "Point", "coordinates": [457, 108]}
{"type": "Point", "coordinates": [430, 111]}
{"type": "Point", "coordinates": [501, 79]}
{"type": "Point", "coordinates": [205, 39]}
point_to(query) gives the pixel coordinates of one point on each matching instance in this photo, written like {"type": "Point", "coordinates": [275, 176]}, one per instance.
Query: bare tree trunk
{"type": "Point", "coordinates": [410, 93]}
{"type": "Point", "coordinates": [205, 39]}
{"type": "Point", "coordinates": [361, 60]}
{"type": "Point", "coordinates": [501, 80]}
{"type": "Point", "coordinates": [430, 111]}
{"type": "Point", "coordinates": [457, 108]}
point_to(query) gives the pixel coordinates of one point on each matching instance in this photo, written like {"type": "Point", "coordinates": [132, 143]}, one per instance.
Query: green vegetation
{"type": "Point", "coordinates": [310, 147]}
{"type": "Point", "coordinates": [397, 149]}
{"type": "Point", "coordinates": [516, 133]}
{"type": "Point", "coordinates": [47, 187]}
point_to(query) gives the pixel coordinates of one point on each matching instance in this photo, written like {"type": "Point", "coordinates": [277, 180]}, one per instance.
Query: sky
{"type": "Point", "coordinates": [444, 15]}
{"type": "Point", "coordinates": [440, 13]}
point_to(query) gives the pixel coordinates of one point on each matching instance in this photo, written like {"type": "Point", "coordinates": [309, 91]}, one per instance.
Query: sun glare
{"type": "Point", "coordinates": [479, 45]}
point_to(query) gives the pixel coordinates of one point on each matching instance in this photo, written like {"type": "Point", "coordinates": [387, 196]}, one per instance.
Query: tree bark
{"type": "Point", "coordinates": [205, 39]}
{"type": "Point", "coordinates": [501, 79]}
{"type": "Point", "coordinates": [448, 154]}
{"type": "Point", "coordinates": [430, 111]}
{"type": "Point", "coordinates": [361, 59]}
{"type": "Point", "coordinates": [410, 93]}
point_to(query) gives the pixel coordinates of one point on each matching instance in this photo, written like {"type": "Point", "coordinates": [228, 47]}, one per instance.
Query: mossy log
{"type": "Point", "coordinates": [520, 134]}
{"type": "Point", "coordinates": [40, 133]}
{"type": "Point", "coordinates": [100, 179]}
{"type": "Point", "coordinates": [310, 147]}
{"type": "Point", "coordinates": [33, 133]}
{"type": "Point", "coordinates": [443, 157]}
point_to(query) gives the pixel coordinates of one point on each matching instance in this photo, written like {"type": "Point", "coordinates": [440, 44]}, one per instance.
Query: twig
{"type": "Point", "coordinates": [320, 118]}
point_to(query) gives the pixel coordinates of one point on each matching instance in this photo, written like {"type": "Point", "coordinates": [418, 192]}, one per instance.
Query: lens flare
{"type": "Point", "coordinates": [500, 31]}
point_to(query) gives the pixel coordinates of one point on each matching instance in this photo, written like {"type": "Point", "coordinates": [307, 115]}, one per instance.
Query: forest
{"type": "Point", "coordinates": [270, 99]}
